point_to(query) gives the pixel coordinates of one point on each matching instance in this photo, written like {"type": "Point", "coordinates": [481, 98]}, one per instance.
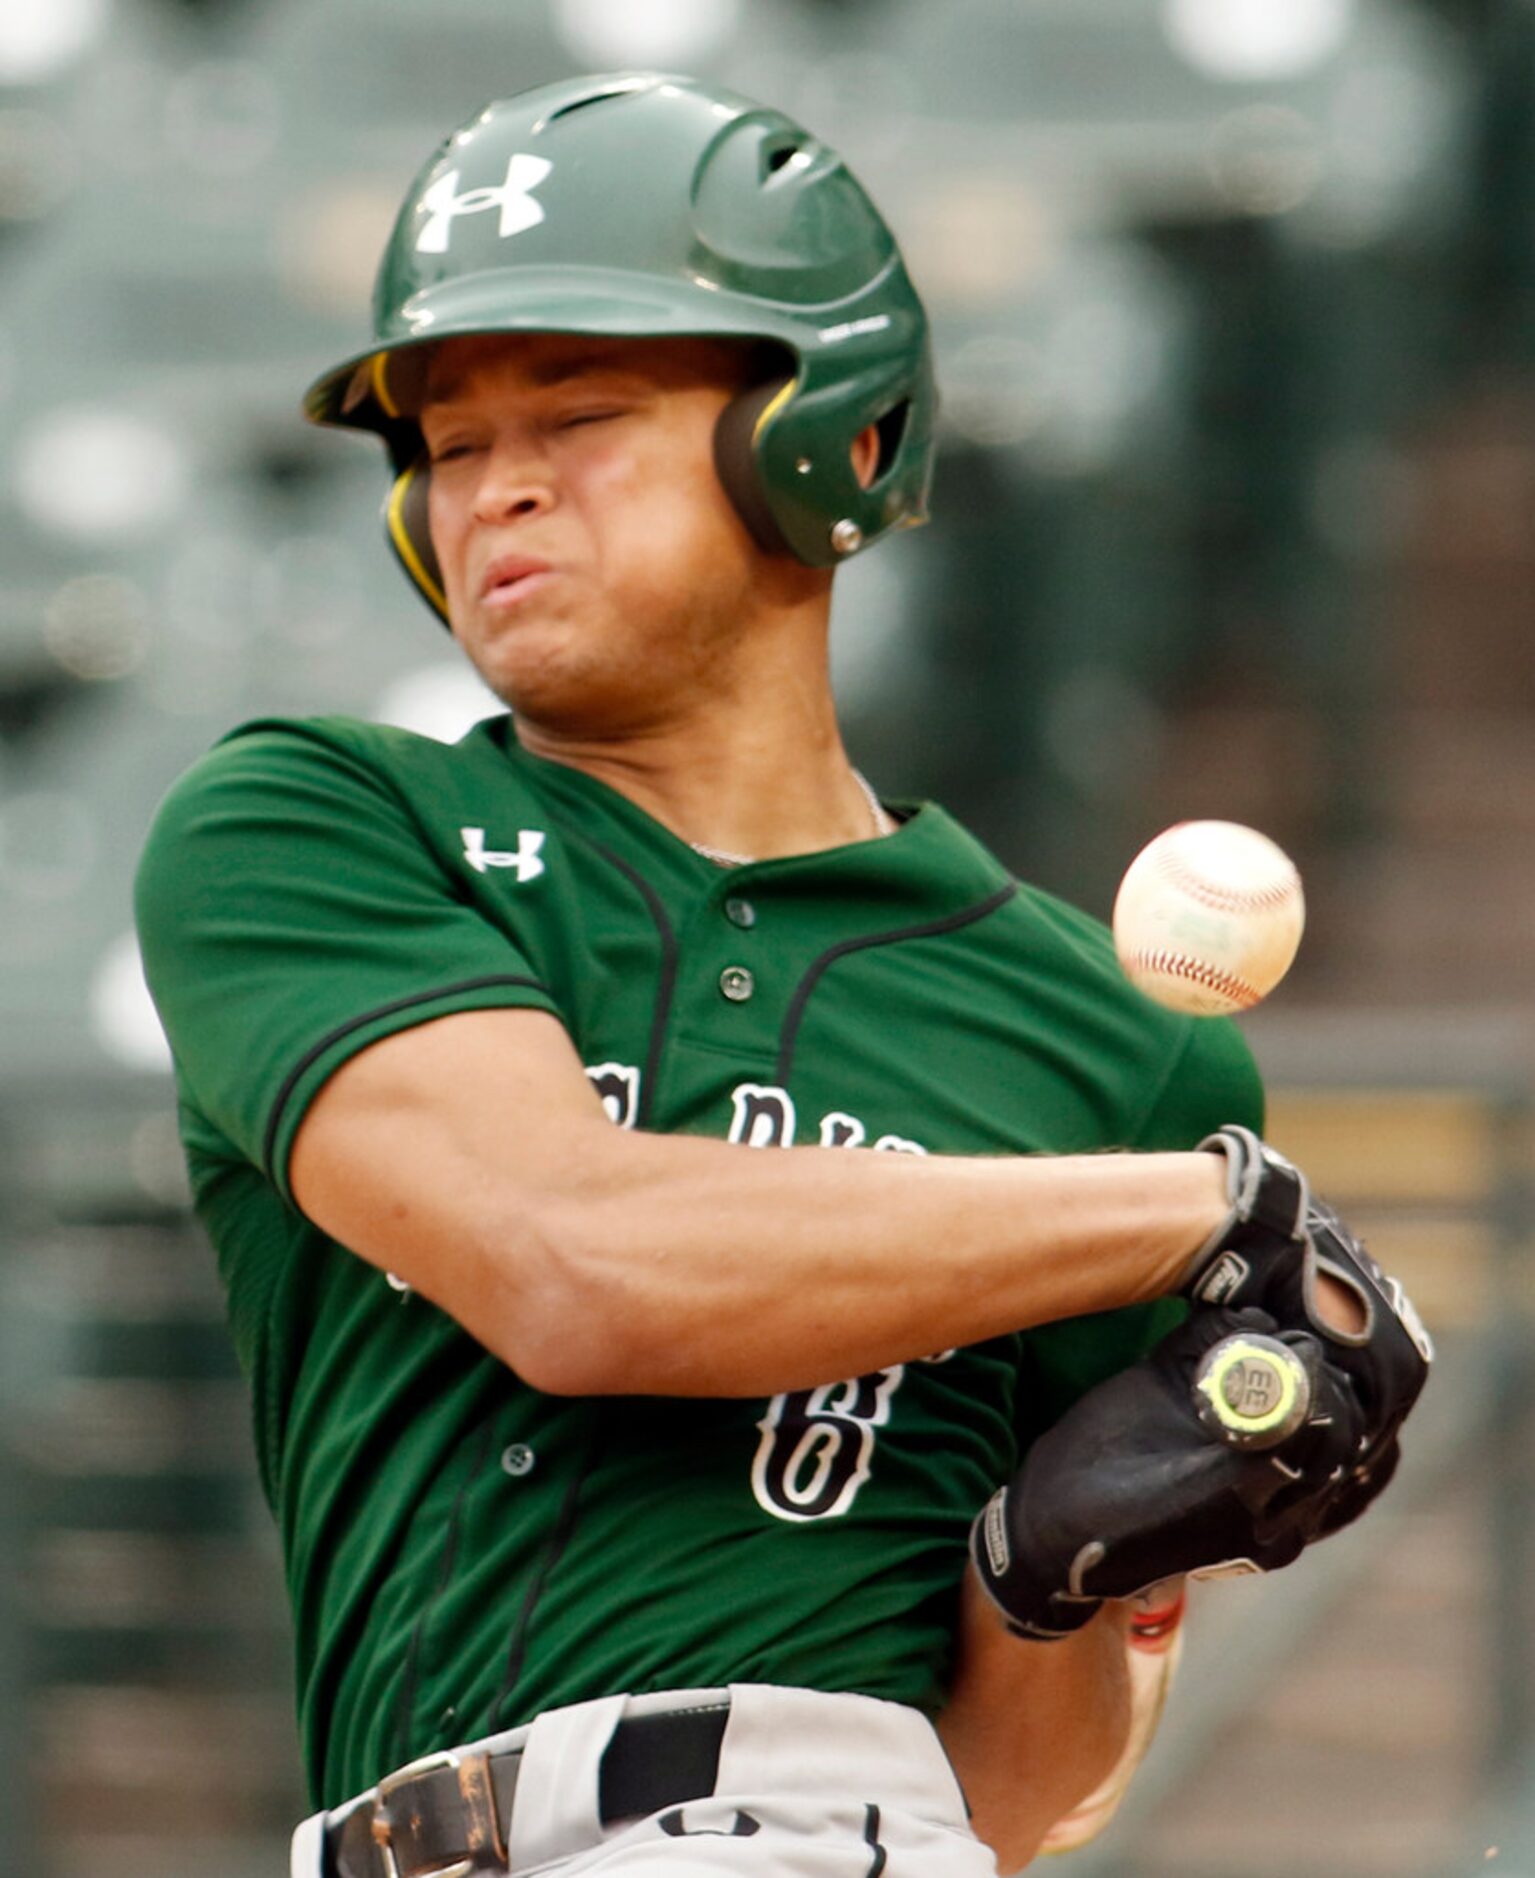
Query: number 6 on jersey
{"type": "Point", "coordinates": [817, 1445]}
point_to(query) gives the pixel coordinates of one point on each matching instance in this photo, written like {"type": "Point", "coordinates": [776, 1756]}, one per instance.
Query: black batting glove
{"type": "Point", "coordinates": [1131, 1487]}
{"type": "Point", "coordinates": [1269, 1252]}
{"type": "Point", "coordinates": [1262, 1241]}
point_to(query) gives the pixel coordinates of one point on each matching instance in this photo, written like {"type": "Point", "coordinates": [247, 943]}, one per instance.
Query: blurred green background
{"type": "Point", "coordinates": [1235, 306]}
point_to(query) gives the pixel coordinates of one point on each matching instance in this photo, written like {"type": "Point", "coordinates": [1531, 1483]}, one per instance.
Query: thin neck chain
{"type": "Point", "coordinates": [721, 857]}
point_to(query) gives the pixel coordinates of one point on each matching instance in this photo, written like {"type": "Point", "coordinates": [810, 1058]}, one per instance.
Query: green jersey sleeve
{"type": "Point", "coordinates": [1211, 1080]}
{"type": "Point", "coordinates": [290, 913]}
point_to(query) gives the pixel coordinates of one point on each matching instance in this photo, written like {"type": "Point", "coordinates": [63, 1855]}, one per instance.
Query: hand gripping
{"type": "Point", "coordinates": [1268, 1254]}
{"type": "Point", "coordinates": [1130, 1487]}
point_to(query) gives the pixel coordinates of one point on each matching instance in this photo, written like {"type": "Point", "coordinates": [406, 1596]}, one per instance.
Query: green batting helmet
{"type": "Point", "coordinates": [645, 206]}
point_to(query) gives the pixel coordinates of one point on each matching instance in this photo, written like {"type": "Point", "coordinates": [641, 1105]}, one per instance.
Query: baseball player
{"type": "Point", "coordinates": [661, 1186]}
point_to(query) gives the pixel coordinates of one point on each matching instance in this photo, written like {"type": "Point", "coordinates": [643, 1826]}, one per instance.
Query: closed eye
{"type": "Point", "coordinates": [576, 418]}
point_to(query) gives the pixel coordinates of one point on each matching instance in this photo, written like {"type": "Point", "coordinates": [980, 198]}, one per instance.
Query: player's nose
{"type": "Point", "coordinates": [515, 482]}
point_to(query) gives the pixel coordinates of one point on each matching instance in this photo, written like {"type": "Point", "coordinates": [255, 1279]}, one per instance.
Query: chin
{"type": "Point", "coordinates": [589, 715]}
{"type": "Point", "coordinates": [523, 658]}
{"type": "Point", "coordinates": [602, 674]}
{"type": "Point", "coordinates": [556, 688]}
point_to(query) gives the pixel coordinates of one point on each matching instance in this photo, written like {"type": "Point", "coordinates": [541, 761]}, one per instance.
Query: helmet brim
{"type": "Point", "coordinates": [378, 388]}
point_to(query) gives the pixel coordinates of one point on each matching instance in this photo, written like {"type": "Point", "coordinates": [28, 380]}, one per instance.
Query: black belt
{"type": "Point", "coordinates": [447, 1816]}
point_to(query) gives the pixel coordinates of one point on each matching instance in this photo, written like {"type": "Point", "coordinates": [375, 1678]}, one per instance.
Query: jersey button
{"type": "Point", "coordinates": [740, 913]}
{"type": "Point", "coordinates": [737, 983]}
{"type": "Point", "coordinates": [517, 1460]}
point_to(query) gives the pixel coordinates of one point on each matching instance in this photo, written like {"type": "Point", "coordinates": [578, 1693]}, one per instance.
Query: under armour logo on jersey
{"type": "Point", "coordinates": [527, 857]}
{"type": "Point", "coordinates": [513, 198]}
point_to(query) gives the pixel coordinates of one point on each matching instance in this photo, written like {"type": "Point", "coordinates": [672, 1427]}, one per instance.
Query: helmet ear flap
{"type": "Point", "coordinates": [735, 461]}
{"type": "Point", "coordinates": [407, 525]}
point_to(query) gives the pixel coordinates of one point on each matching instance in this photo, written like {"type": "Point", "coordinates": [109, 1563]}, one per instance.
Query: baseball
{"type": "Point", "coordinates": [1208, 917]}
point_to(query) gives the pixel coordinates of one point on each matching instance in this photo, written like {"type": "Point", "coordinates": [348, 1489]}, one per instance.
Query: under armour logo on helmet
{"type": "Point", "coordinates": [513, 198]}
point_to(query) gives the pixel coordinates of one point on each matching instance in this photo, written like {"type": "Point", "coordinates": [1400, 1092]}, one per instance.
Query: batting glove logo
{"type": "Point", "coordinates": [513, 198]}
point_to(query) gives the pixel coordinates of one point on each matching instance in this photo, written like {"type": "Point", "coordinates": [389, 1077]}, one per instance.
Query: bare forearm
{"type": "Point", "coordinates": [691, 1267]}
{"type": "Point", "coordinates": [816, 1264]}
{"type": "Point", "coordinates": [472, 1157]}
{"type": "Point", "coordinates": [1033, 1727]}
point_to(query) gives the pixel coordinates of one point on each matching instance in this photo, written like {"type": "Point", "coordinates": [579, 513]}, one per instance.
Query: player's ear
{"type": "Point", "coordinates": [866, 455]}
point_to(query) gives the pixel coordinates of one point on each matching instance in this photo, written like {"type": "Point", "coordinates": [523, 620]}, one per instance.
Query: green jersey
{"type": "Point", "coordinates": [463, 1551]}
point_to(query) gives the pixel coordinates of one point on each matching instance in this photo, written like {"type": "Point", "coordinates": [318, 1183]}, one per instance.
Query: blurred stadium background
{"type": "Point", "coordinates": [1235, 303]}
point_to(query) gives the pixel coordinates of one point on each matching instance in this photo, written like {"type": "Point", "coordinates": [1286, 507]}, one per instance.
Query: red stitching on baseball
{"type": "Point", "coordinates": [1180, 965]}
{"type": "Point", "coordinates": [1223, 899]}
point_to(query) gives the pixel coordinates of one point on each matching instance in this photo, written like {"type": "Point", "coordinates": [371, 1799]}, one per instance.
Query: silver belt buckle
{"type": "Point", "coordinates": [483, 1829]}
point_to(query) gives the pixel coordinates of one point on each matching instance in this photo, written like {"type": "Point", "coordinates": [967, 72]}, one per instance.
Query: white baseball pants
{"type": "Point", "coordinates": [810, 1785]}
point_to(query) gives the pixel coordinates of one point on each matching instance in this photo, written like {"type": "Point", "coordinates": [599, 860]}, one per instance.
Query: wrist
{"type": "Point", "coordinates": [1212, 1201]}
{"type": "Point", "coordinates": [1181, 1210]}
{"type": "Point", "coordinates": [1032, 1608]}
{"type": "Point", "coordinates": [1264, 1215]}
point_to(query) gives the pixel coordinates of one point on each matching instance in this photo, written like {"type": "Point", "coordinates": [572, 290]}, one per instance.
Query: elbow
{"type": "Point", "coordinates": [575, 1328]}
{"type": "Point", "coordinates": [571, 1358]}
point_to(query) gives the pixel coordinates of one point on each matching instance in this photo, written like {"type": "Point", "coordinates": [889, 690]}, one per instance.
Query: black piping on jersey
{"type": "Point", "coordinates": [952, 922]}
{"type": "Point", "coordinates": [871, 1839]}
{"type": "Point", "coordinates": [403, 1745]}
{"type": "Point", "coordinates": [564, 1530]}
{"type": "Point", "coordinates": [666, 987]}
{"type": "Point", "coordinates": [291, 1080]}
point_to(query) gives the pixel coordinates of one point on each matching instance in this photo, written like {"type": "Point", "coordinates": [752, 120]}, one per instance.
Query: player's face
{"type": "Point", "coordinates": [595, 571]}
